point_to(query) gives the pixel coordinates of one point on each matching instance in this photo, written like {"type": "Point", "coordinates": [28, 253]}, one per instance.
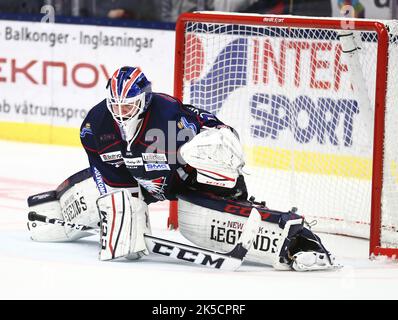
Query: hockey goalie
{"type": "Point", "coordinates": [154, 148]}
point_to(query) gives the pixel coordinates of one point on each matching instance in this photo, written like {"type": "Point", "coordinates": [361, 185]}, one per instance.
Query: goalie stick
{"type": "Point", "coordinates": [229, 261]}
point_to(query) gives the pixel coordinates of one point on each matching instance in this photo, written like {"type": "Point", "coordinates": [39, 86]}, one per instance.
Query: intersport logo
{"type": "Point", "coordinates": [325, 103]}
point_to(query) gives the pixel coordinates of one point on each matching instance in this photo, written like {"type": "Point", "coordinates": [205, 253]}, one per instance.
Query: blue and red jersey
{"type": "Point", "coordinates": [151, 159]}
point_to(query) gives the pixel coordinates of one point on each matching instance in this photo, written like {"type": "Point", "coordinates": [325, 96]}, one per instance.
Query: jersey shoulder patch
{"type": "Point", "coordinates": [98, 128]}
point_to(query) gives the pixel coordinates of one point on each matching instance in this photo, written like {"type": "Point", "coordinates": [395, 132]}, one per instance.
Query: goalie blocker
{"type": "Point", "coordinates": [282, 240]}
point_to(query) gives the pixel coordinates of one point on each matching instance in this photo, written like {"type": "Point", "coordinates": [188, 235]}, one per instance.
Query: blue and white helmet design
{"type": "Point", "coordinates": [129, 95]}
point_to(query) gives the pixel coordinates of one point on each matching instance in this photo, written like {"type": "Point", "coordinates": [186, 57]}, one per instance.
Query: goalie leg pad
{"type": "Point", "coordinates": [280, 242]}
{"type": "Point", "coordinates": [72, 201]}
{"type": "Point", "coordinates": [124, 221]}
{"type": "Point", "coordinates": [220, 231]}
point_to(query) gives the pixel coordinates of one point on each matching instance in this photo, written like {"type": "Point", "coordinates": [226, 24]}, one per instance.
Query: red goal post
{"type": "Point", "coordinates": [300, 89]}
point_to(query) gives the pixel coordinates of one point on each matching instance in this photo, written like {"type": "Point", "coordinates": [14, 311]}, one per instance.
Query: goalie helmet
{"type": "Point", "coordinates": [128, 97]}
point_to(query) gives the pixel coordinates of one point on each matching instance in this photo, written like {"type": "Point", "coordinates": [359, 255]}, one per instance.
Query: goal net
{"type": "Point", "coordinates": [315, 102]}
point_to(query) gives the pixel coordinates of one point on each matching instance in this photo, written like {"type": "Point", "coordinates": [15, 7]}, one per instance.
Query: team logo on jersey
{"type": "Point", "coordinates": [111, 156]}
{"type": "Point", "coordinates": [156, 166]}
{"type": "Point", "coordinates": [86, 130]}
{"type": "Point", "coordinates": [183, 123]}
{"type": "Point", "coordinates": [133, 163]}
{"type": "Point", "coordinates": [155, 187]}
{"type": "Point", "coordinates": [154, 157]}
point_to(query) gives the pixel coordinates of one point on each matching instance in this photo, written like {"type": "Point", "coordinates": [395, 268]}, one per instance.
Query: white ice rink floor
{"type": "Point", "coordinates": [30, 270]}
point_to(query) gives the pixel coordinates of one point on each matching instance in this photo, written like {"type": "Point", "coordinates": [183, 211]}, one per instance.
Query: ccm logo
{"type": "Point", "coordinates": [243, 211]}
{"type": "Point", "coordinates": [104, 229]}
{"type": "Point", "coordinates": [187, 255]}
{"type": "Point", "coordinates": [230, 208]}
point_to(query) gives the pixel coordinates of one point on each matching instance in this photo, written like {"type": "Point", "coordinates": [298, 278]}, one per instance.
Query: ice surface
{"type": "Point", "coordinates": [30, 270]}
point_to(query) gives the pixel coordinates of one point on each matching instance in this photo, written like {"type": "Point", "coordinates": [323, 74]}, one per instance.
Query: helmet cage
{"type": "Point", "coordinates": [126, 109]}
{"type": "Point", "coordinates": [127, 114]}
{"type": "Point", "coordinates": [129, 96]}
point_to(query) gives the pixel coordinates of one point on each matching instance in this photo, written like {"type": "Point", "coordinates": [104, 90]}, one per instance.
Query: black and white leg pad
{"type": "Point", "coordinates": [281, 241]}
{"type": "Point", "coordinates": [124, 221]}
{"type": "Point", "coordinates": [73, 201]}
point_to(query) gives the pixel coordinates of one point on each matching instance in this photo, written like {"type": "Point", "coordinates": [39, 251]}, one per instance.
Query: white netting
{"type": "Point", "coordinates": [304, 111]}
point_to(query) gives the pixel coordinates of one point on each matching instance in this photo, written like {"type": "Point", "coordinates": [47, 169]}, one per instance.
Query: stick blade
{"type": "Point", "coordinates": [248, 235]}
{"type": "Point", "coordinates": [250, 229]}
